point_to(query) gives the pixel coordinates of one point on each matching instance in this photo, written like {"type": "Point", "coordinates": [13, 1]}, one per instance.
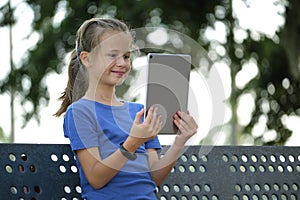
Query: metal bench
{"type": "Point", "coordinates": [48, 171]}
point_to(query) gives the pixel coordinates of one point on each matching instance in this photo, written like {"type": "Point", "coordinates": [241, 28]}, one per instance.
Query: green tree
{"type": "Point", "coordinates": [274, 89]}
{"type": "Point", "coordinates": [3, 137]}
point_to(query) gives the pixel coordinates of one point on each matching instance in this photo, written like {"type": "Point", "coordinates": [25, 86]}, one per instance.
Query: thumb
{"type": "Point", "coordinates": [138, 116]}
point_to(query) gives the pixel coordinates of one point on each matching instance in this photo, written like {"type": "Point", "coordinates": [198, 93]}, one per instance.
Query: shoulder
{"type": "Point", "coordinates": [135, 105]}
{"type": "Point", "coordinates": [78, 104]}
{"type": "Point", "coordinates": [81, 107]}
{"type": "Point", "coordinates": [80, 113]}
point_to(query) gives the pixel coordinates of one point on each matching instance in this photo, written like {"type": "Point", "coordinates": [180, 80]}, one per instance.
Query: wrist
{"type": "Point", "coordinates": [131, 144]}
{"type": "Point", "coordinates": [179, 142]}
{"type": "Point", "coordinates": [127, 154]}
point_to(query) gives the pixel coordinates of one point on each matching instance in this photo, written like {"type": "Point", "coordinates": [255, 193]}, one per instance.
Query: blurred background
{"type": "Point", "coordinates": [251, 46]}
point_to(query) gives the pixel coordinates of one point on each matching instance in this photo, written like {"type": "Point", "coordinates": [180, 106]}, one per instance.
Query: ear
{"type": "Point", "coordinates": [84, 57]}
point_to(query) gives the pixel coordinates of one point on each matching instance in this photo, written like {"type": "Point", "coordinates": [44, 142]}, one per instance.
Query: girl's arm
{"type": "Point", "coordinates": [160, 168]}
{"type": "Point", "coordinates": [100, 171]}
{"type": "Point", "coordinates": [97, 171]}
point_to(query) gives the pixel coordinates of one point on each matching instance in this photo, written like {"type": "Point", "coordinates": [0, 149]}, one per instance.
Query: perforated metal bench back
{"type": "Point", "coordinates": [235, 172]}
{"type": "Point", "coordinates": [33, 171]}
{"type": "Point", "coordinates": [48, 171]}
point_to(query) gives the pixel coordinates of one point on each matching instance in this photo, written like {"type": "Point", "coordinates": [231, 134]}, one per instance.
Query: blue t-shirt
{"type": "Point", "coordinates": [92, 124]}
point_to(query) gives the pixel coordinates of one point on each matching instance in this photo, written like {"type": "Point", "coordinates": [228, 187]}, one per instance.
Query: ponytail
{"type": "Point", "coordinates": [77, 84]}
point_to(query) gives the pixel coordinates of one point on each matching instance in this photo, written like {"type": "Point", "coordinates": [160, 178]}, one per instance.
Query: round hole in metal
{"type": "Point", "coordinates": [78, 189]}
{"type": "Point", "coordinates": [54, 157]}
{"type": "Point", "coordinates": [32, 168]}
{"type": "Point", "coordinates": [37, 189]}
{"type": "Point", "coordinates": [273, 158]}
{"type": "Point", "coordinates": [202, 168]}
{"type": "Point", "coordinates": [176, 188]}
{"type": "Point", "coordinates": [184, 158]}
{"type": "Point", "coordinates": [12, 157]}
{"type": "Point", "coordinates": [276, 187]}
{"type": "Point", "coordinates": [254, 158]}
{"type": "Point", "coordinates": [8, 169]}
{"type": "Point", "coordinates": [24, 156]}
{"type": "Point", "coordinates": [234, 158]}
{"type": "Point", "coordinates": [291, 158]}
{"type": "Point", "coordinates": [225, 158]}
{"type": "Point", "coordinates": [252, 168]}
{"type": "Point", "coordinates": [244, 158]}
{"type": "Point", "coordinates": [25, 189]}
{"type": "Point", "coordinates": [194, 158]}
{"type": "Point", "coordinates": [62, 169]}
{"type": "Point", "coordinates": [67, 189]}
{"type": "Point", "coordinates": [13, 190]}
{"type": "Point", "coordinates": [65, 157]}
{"type": "Point", "coordinates": [282, 158]}
{"type": "Point", "coordinates": [74, 169]}
{"type": "Point", "coordinates": [197, 188]}
{"type": "Point", "coordinates": [289, 168]}
{"type": "Point", "coordinates": [232, 168]}
{"type": "Point", "coordinates": [192, 169]}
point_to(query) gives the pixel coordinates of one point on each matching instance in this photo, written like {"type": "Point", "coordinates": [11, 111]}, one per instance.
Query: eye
{"type": "Point", "coordinates": [126, 56]}
{"type": "Point", "coordinates": [112, 55]}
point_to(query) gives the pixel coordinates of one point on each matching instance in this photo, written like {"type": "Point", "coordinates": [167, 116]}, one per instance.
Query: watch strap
{"type": "Point", "coordinates": [127, 154]}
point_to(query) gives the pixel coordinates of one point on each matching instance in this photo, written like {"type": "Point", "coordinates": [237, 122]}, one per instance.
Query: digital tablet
{"type": "Point", "coordinates": [168, 86]}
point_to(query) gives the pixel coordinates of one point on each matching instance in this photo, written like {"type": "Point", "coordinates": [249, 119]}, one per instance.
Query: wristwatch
{"type": "Point", "coordinates": [127, 154]}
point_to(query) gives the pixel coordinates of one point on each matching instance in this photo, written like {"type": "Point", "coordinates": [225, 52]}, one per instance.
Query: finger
{"type": "Point", "coordinates": [149, 115]}
{"type": "Point", "coordinates": [178, 122]}
{"type": "Point", "coordinates": [158, 125]}
{"type": "Point", "coordinates": [154, 117]}
{"type": "Point", "coordinates": [183, 126]}
{"type": "Point", "coordinates": [179, 126]}
{"type": "Point", "coordinates": [138, 116]}
{"type": "Point", "coordinates": [188, 119]}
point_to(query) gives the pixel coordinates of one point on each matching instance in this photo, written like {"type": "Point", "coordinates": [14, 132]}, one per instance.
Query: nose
{"type": "Point", "coordinates": [121, 61]}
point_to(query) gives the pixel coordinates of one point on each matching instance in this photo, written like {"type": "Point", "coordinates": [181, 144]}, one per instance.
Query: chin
{"type": "Point", "coordinates": [119, 83]}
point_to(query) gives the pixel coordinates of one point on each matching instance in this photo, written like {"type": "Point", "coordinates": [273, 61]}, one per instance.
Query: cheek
{"type": "Point", "coordinates": [101, 66]}
{"type": "Point", "coordinates": [129, 66]}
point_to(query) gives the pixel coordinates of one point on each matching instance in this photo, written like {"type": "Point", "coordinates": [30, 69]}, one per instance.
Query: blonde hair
{"type": "Point", "coordinates": [87, 38]}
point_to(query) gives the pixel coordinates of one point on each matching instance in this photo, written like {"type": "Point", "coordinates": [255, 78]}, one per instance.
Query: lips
{"type": "Point", "coordinates": [119, 73]}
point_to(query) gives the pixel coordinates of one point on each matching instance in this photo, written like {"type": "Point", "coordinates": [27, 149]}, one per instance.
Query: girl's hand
{"type": "Point", "coordinates": [186, 125]}
{"type": "Point", "coordinates": [142, 132]}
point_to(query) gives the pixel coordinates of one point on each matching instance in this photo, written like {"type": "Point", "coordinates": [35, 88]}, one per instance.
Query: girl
{"type": "Point", "coordinates": [115, 148]}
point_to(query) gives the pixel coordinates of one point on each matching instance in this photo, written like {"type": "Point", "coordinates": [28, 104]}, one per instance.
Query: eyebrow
{"type": "Point", "coordinates": [117, 51]}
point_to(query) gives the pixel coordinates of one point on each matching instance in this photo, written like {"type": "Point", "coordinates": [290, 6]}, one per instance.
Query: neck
{"type": "Point", "coordinates": [103, 94]}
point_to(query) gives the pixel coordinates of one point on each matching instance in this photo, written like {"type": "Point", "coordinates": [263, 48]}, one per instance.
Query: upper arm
{"type": "Point", "coordinates": [88, 158]}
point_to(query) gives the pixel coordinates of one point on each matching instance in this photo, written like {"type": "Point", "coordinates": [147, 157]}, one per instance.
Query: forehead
{"type": "Point", "coordinates": [114, 40]}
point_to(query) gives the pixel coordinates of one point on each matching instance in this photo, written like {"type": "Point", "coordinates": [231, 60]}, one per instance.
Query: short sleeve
{"type": "Point", "coordinates": [153, 144]}
{"type": "Point", "coordinates": [80, 127]}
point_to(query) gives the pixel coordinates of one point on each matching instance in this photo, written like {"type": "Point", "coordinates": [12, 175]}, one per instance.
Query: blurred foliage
{"type": "Point", "coordinates": [277, 61]}
{"type": "Point", "coordinates": [276, 88]}
{"type": "Point", "coordinates": [3, 137]}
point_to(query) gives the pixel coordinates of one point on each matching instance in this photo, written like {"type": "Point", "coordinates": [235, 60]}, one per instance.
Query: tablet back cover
{"type": "Point", "coordinates": [168, 86]}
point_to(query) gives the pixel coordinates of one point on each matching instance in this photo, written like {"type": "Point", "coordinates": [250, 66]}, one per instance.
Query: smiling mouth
{"type": "Point", "coordinates": [120, 73]}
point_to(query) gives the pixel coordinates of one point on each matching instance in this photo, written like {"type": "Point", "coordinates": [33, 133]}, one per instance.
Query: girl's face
{"type": "Point", "coordinates": [110, 60]}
